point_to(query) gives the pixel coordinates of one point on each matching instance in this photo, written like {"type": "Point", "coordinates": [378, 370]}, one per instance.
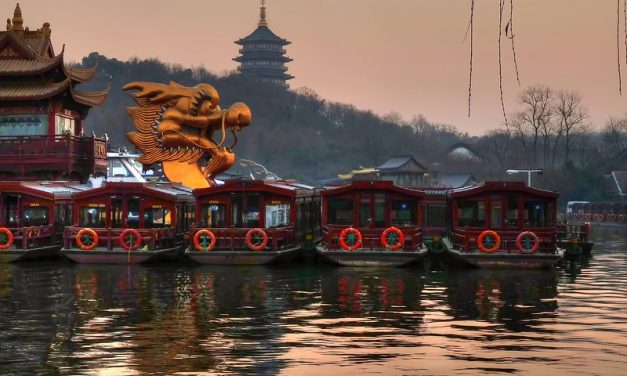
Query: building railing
{"type": "Point", "coordinates": [233, 239]}
{"type": "Point", "coordinates": [371, 237]}
{"type": "Point", "coordinates": [73, 147]}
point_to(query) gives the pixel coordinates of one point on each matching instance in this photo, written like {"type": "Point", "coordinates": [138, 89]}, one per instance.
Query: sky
{"type": "Point", "coordinates": [404, 56]}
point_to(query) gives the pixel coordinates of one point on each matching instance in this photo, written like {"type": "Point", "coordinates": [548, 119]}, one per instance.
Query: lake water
{"type": "Point", "coordinates": [59, 318]}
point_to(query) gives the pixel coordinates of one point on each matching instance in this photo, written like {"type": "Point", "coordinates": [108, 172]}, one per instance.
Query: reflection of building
{"type": "Point", "coordinates": [262, 54]}
{"type": "Point", "coordinates": [41, 110]}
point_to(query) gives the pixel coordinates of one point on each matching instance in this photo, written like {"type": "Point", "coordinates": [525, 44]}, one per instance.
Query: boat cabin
{"type": "Point", "coordinates": [508, 209]}
{"type": "Point", "coordinates": [287, 213]}
{"type": "Point", "coordinates": [158, 211]}
{"type": "Point", "coordinates": [35, 212]}
{"type": "Point", "coordinates": [372, 207]}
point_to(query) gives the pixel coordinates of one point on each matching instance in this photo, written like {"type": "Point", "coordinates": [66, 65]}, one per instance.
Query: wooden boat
{"type": "Point", "coordinates": [32, 217]}
{"type": "Point", "coordinates": [253, 222]}
{"type": "Point", "coordinates": [504, 225]}
{"type": "Point", "coordinates": [371, 223]}
{"type": "Point", "coordinates": [574, 238]}
{"type": "Point", "coordinates": [129, 223]}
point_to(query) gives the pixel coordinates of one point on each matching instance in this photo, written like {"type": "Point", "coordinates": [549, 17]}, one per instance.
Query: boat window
{"type": "Point", "coordinates": [251, 217]}
{"type": "Point", "coordinates": [379, 210]}
{"type": "Point", "coordinates": [435, 215]}
{"type": "Point", "coordinates": [11, 211]}
{"type": "Point", "coordinates": [279, 215]}
{"type": "Point", "coordinates": [236, 210]}
{"type": "Point", "coordinates": [93, 216]}
{"type": "Point", "coordinates": [496, 219]}
{"type": "Point", "coordinates": [132, 219]}
{"type": "Point", "coordinates": [213, 215]}
{"type": "Point", "coordinates": [157, 218]}
{"type": "Point", "coordinates": [62, 216]}
{"type": "Point", "coordinates": [536, 214]}
{"type": "Point", "coordinates": [471, 213]}
{"type": "Point", "coordinates": [190, 216]}
{"type": "Point", "coordinates": [404, 213]}
{"type": "Point", "coordinates": [340, 211]}
{"type": "Point", "coordinates": [35, 216]}
{"type": "Point", "coordinates": [365, 219]}
{"type": "Point", "coordinates": [116, 213]}
{"type": "Point", "coordinates": [512, 212]}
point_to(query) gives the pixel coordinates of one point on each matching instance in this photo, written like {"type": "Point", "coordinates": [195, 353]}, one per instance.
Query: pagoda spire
{"type": "Point", "coordinates": [18, 21]}
{"type": "Point", "coordinates": [262, 14]}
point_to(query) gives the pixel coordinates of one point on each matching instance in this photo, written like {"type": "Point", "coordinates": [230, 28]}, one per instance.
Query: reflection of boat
{"type": "Point", "coordinates": [517, 298]}
{"type": "Point", "coordinates": [121, 223]}
{"type": "Point", "coordinates": [371, 223]}
{"type": "Point", "coordinates": [34, 215]}
{"type": "Point", "coordinates": [253, 222]}
{"type": "Point", "coordinates": [504, 225]}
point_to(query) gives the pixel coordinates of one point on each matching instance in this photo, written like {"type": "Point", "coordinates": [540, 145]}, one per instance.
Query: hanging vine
{"type": "Point", "coordinates": [470, 25]}
{"type": "Point", "coordinates": [510, 28]}
{"type": "Point", "coordinates": [618, 52]}
{"type": "Point", "coordinates": [501, 5]}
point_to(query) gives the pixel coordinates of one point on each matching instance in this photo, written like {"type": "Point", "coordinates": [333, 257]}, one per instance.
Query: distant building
{"type": "Point", "coordinates": [41, 109]}
{"type": "Point", "coordinates": [402, 170]}
{"type": "Point", "coordinates": [262, 54]}
{"type": "Point", "coordinates": [616, 185]}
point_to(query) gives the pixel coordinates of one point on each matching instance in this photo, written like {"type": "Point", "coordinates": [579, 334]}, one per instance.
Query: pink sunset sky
{"type": "Point", "coordinates": [406, 56]}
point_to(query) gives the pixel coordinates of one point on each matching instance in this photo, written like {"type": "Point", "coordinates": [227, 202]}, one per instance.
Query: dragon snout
{"type": "Point", "coordinates": [240, 114]}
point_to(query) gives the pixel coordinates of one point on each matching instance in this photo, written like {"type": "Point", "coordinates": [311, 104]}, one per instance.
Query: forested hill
{"type": "Point", "coordinates": [295, 134]}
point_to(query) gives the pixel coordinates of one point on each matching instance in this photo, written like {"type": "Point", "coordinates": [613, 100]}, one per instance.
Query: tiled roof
{"type": "Point", "coordinates": [81, 74]}
{"type": "Point", "coordinates": [31, 90]}
{"type": "Point", "coordinates": [92, 98]}
{"type": "Point", "coordinates": [620, 177]}
{"type": "Point", "coordinates": [263, 34]}
{"type": "Point", "coordinates": [14, 67]}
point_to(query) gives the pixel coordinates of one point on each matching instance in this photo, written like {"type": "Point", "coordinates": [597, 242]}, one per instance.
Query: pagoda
{"type": "Point", "coordinates": [262, 54]}
{"type": "Point", "coordinates": [42, 111]}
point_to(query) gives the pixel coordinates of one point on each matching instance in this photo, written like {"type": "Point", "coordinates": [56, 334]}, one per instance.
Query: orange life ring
{"type": "Point", "coordinates": [586, 216]}
{"type": "Point", "coordinates": [482, 237]}
{"type": "Point", "coordinates": [611, 217]}
{"type": "Point", "coordinates": [258, 233]}
{"type": "Point", "coordinates": [91, 240]}
{"type": "Point", "coordinates": [357, 239]}
{"type": "Point", "coordinates": [400, 238]}
{"type": "Point", "coordinates": [135, 239]}
{"type": "Point", "coordinates": [621, 218]}
{"type": "Point", "coordinates": [524, 236]}
{"type": "Point", "coordinates": [204, 234]}
{"type": "Point", "coordinates": [9, 238]}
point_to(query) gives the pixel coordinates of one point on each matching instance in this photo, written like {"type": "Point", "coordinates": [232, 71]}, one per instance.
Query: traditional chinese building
{"type": "Point", "coordinates": [262, 54]}
{"type": "Point", "coordinates": [42, 111]}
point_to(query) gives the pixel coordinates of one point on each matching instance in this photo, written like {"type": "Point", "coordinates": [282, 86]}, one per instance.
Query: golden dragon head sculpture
{"type": "Point", "coordinates": [175, 126]}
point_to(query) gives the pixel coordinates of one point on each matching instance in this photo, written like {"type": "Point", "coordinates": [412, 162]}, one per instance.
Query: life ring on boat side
{"type": "Point", "coordinates": [134, 242]}
{"type": "Point", "coordinates": [527, 242]}
{"type": "Point", "coordinates": [200, 240]}
{"type": "Point", "coordinates": [8, 235]}
{"type": "Point", "coordinates": [352, 235]}
{"type": "Point", "coordinates": [396, 235]}
{"type": "Point", "coordinates": [86, 239]}
{"type": "Point", "coordinates": [586, 216]}
{"type": "Point", "coordinates": [488, 236]}
{"type": "Point", "coordinates": [621, 218]}
{"type": "Point", "coordinates": [257, 234]}
{"type": "Point", "coordinates": [611, 217]}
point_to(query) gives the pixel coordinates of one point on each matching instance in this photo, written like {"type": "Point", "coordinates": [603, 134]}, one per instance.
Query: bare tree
{"type": "Point", "coordinates": [615, 135]}
{"type": "Point", "coordinates": [571, 117]}
{"type": "Point", "coordinates": [536, 117]}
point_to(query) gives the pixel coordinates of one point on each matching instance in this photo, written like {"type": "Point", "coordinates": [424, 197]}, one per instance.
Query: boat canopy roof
{"type": "Point", "coordinates": [279, 187]}
{"type": "Point", "coordinates": [382, 185]}
{"type": "Point", "coordinates": [499, 187]}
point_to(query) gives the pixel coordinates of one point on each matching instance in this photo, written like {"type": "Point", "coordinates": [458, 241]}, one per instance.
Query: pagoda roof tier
{"type": "Point", "coordinates": [263, 34]}
{"type": "Point", "coordinates": [21, 67]}
{"type": "Point", "coordinates": [266, 73]}
{"type": "Point", "coordinates": [92, 98]}
{"type": "Point", "coordinates": [80, 74]}
{"type": "Point", "coordinates": [19, 91]}
{"type": "Point", "coordinates": [261, 56]}
{"type": "Point", "coordinates": [16, 91]}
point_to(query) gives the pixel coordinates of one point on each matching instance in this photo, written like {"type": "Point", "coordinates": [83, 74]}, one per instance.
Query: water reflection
{"type": "Point", "coordinates": [59, 318]}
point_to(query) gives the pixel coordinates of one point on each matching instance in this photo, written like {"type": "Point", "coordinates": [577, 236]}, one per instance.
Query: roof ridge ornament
{"type": "Point", "coordinates": [262, 14]}
{"type": "Point", "coordinates": [18, 21]}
